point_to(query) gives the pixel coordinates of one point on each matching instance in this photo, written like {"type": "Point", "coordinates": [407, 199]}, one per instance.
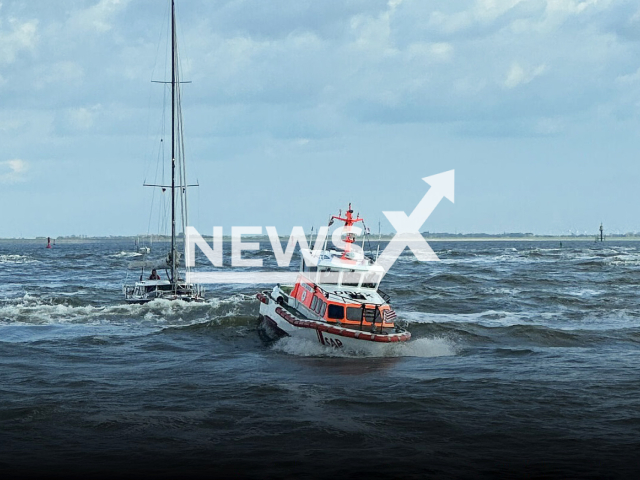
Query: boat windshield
{"type": "Point", "coordinates": [371, 280]}
{"type": "Point", "coordinates": [348, 278]}
{"type": "Point", "coordinates": [351, 279]}
{"type": "Point", "coordinates": [327, 276]}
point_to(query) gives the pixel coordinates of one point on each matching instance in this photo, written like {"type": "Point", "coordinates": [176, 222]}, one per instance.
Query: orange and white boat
{"type": "Point", "coordinates": [335, 300]}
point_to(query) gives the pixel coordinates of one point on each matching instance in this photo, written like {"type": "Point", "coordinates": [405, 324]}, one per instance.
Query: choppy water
{"type": "Point", "coordinates": [524, 362]}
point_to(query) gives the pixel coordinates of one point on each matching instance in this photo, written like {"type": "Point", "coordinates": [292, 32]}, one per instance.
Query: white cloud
{"type": "Point", "coordinates": [388, 54]}
{"type": "Point", "coordinates": [519, 75]}
{"type": "Point", "coordinates": [18, 37]}
{"type": "Point", "coordinates": [83, 118]}
{"type": "Point", "coordinates": [98, 17]}
{"type": "Point", "coordinates": [436, 51]}
{"type": "Point", "coordinates": [373, 33]}
{"type": "Point", "coordinates": [483, 12]}
{"type": "Point", "coordinates": [12, 171]}
{"type": "Point", "coordinates": [574, 6]}
{"type": "Point", "coordinates": [442, 49]}
{"type": "Point", "coordinates": [629, 78]}
{"type": "Point", "coordinates": [548, 126]}
{"type": "Point", "coordinates": [450, 24]}
{"type": "Point", "coordinates": [9, 122]}
{"type": "Point", "coordinates": [68, 73]}
{"type": "Point", "coordinates": [492, 9]}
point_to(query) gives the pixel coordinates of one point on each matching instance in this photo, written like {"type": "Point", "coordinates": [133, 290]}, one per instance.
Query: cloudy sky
{"type": "Point", "coordinates": [297, 107]}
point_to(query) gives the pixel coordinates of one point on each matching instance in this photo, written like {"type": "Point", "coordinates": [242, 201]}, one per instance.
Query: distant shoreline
{"type": "Point", "coordinates": [447, 238]}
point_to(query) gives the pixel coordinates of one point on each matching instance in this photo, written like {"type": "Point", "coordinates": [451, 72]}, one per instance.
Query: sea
{"type": "Point", "coordinates": [524, 363]}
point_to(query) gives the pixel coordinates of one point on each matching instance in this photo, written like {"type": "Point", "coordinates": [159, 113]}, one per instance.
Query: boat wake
{"type": "Point", "coordinates": [421, 347]}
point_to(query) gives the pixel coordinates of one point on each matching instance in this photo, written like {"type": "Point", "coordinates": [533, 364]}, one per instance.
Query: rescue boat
{"type": "Point", "coordinates": [335, 301]}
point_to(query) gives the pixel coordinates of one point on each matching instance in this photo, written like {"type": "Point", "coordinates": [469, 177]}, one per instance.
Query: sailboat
{"type": "Point", "coordinates": [172, 286]}
{"type": "Point", "coordinates": [141, 249]}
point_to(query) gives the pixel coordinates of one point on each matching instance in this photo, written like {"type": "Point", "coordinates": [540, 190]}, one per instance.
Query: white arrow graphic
{"type": "Point", "coordinates": [408, 228]}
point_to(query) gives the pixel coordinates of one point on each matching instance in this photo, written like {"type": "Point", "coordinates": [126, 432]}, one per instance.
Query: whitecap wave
{"type": "Point", "coordinates": [302, 347]}
{"type": "Point", "coordinates": [583, 292]}
{"type": "Point", "coordinates": [618, 319]}
{"type": "Point", "coordinates": [426, 347]}
{"type": "Point", "coordinates": [17, 259]}
{"type": "Point", "coordinates": [124, 254]}
{"type": "Point", "coordinates": [488, 318]}
{"type": "Point", "coordinates": [624, 259]}
{"type": "Point", "coordinates": [421, 347]}
{"type": "Point", "coordinates": [33, 310]}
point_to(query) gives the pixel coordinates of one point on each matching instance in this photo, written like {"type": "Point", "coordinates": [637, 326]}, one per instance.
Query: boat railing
{"type": "Point", "coordinates": [385, 296]}
{"type": "Point", "coordinates": [322, 291]}
{"type": "Point", "coordinates": [382, 294]}
{"type": "Point", "coordinates": [375, 313]}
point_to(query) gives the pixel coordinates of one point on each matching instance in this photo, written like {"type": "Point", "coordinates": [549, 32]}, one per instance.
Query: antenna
{"type": "Point", "coordinates": [326, 239]}
{"type": "Point", "coordinates": [379, 238]}
{"type": "Point", "coordinates": [311, 237]}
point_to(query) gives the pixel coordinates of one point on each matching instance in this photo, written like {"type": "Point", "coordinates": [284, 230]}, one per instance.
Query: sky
{"type": "Point", "coordinates": [298, 107]}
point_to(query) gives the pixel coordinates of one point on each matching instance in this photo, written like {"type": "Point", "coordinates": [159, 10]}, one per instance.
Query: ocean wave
{"type": "Point", "coordinates": [452, 278]}
{"type": "Point", "coordinates": [624, 259]}
{"type": "Point", "coordinates": [420, 347]}
{"type": "Point", "coordinates": [17, 259]}
{"type": "Point", "coordinates": [583, 320]}
{"type": "Point", "coordinates": [488, 318]}
{"type": "Point", "coordinates": [124, 254]}
{"type": "Point", "coordinates": [426, 348]}
{"type": "Point", "coordinates": [214, 324]}
{"type": "Point", "coordinates": [33, 310]}
{"type": "Point", "coordinates": [583, 292]}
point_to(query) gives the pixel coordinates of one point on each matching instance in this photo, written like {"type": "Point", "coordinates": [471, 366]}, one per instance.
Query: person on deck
{"type": "Point", "coordinates": [154, 275]}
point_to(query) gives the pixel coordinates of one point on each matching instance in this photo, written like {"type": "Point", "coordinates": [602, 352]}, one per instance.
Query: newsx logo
{"type": "Point", "coordinates": [407, 235]}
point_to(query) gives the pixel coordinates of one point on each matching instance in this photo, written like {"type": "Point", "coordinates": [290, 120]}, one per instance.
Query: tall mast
{"type": "Point", "coordinates": [174, 277]}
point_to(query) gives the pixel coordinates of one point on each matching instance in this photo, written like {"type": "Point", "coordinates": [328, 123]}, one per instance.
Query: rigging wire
{"type": "Point", "coordinates": [184, 46]}
{"type": "Point", "coordinates": [159, 204]}
{"type": "Point", "coordinates": [367, 235]}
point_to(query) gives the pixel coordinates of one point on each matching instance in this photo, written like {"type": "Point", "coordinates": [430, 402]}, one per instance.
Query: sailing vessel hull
{"type": "Point", "coordinates": [148, 290]}
{"type": "Point", "coordinates": [142, 301]}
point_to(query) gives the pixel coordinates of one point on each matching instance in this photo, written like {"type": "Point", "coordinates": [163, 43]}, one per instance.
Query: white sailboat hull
{"type": "Point", "coordinates": [148, 290]}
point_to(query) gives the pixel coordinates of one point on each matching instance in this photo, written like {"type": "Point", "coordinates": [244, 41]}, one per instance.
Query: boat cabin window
{"type": "Point", "coordinates": [327, 276]}
{"type": "Point", "coordinates": [348, 278]}
{"type": "Point", "coordinates": [354, 313]}
{"type": "Point", "coordinates": [351, 279]}
{"type": "Point", "coordinates": [336, 312]}
{"type": "Point", "coordinates": [371, 280]}
{"type": "Point", "coordinates": [320, 306]}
